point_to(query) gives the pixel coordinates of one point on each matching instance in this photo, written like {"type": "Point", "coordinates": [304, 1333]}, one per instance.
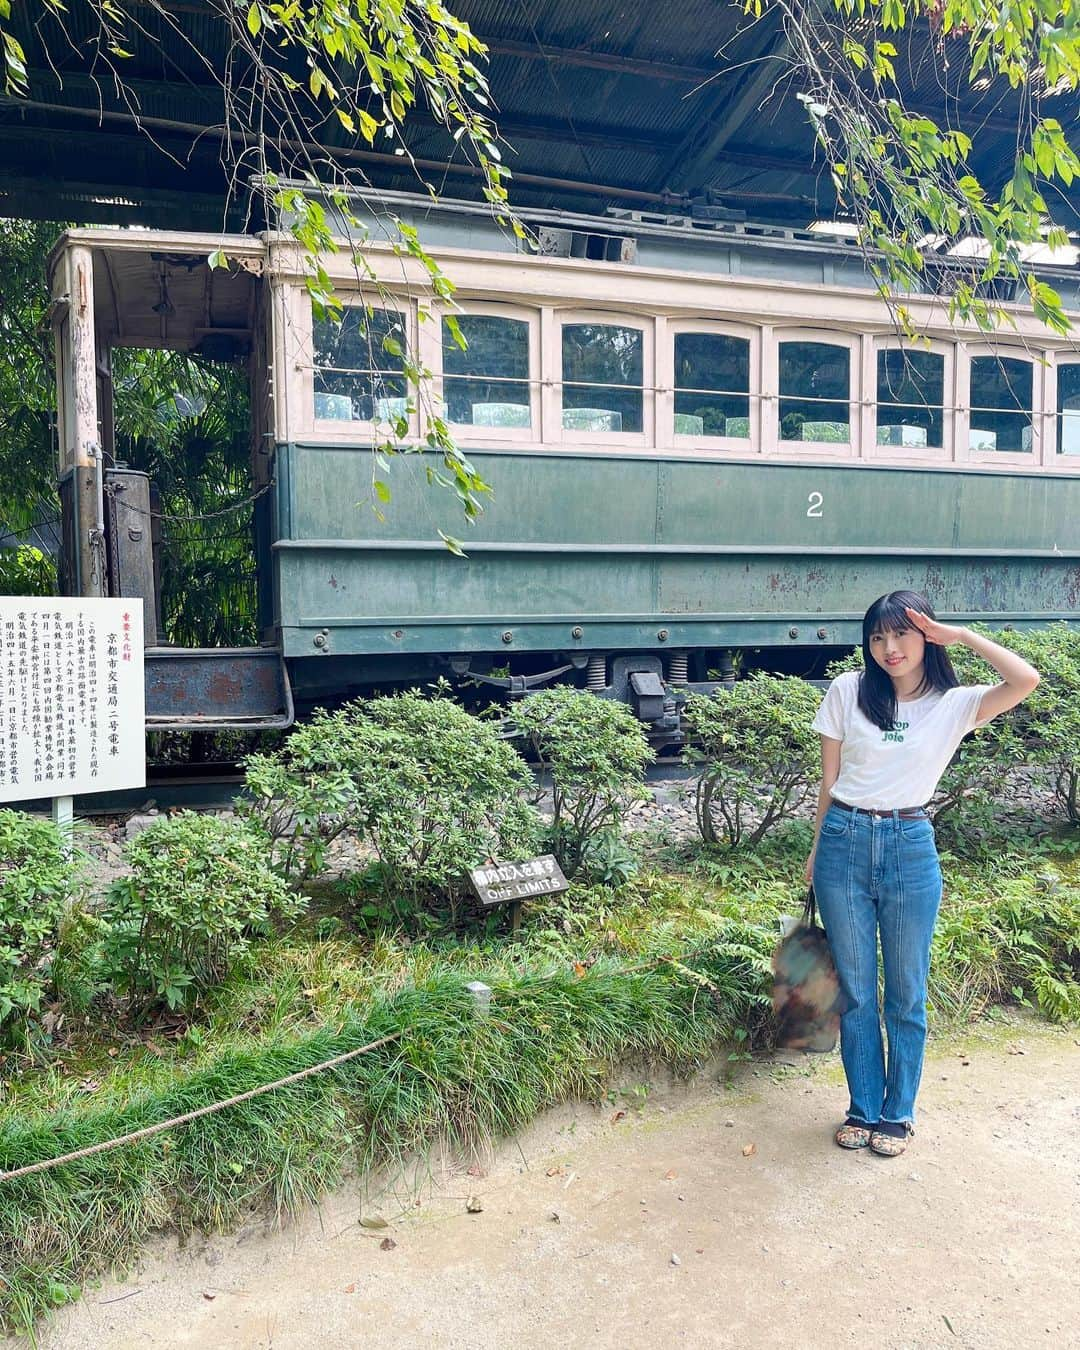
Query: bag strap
{"type": "Point", "coordinates": [810, 908]}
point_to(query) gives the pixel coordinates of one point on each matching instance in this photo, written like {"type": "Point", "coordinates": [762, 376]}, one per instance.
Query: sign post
{"type": "Point", "coordinates": [72, 703]}
{"type": "Point", "coordinates": [508, 883]}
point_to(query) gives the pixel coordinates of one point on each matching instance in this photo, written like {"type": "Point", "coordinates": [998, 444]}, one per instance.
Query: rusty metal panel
{"type": "Point", "coordinates": [216, 689]}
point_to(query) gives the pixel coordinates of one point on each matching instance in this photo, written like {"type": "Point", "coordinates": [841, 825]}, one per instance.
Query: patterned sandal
{"type": "Point", "coordinates": [853, 1135]}
{"type": "Point", "coordinates": [891, 1145]}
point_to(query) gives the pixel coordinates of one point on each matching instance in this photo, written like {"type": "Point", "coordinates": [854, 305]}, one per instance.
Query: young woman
{"type": "Point", "coordinates": [888, 733]}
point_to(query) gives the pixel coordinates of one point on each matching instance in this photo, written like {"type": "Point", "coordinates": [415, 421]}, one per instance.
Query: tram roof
{"type": "Point", "coordinates": [604, 103]}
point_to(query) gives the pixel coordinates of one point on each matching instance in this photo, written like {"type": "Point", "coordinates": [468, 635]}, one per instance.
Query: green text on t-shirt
{"type": "Point", "coordinates": [897, 733]}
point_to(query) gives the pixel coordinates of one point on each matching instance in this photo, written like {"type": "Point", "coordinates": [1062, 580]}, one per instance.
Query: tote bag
{"type": "Point", "coordinates": [807, 998]}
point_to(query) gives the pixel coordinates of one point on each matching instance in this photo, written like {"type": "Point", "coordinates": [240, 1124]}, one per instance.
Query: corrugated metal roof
{"type": "Point", "coordinates": [605, 94]}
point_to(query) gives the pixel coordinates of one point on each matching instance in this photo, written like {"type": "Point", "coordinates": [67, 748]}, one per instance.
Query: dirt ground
{"type": "Point", "coordinates": [716, 1215]}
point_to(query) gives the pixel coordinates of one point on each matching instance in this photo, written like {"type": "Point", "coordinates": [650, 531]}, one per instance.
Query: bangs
{"type": "Point", "coordinates": [889, 614]}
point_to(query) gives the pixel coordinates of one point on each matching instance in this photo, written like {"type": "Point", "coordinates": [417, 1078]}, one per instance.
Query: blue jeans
{"type": "Point", "coordinates": [879, 874]}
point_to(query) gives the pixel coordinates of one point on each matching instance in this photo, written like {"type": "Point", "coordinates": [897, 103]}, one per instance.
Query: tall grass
{"type": "Point", "coordinates": [454, 1075]}
{"type": "Point", "coordinates": [583, 990]}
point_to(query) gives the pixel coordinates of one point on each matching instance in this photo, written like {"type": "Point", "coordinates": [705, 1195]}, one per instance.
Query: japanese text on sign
{"type": "Point", "coordinates": [498, 883]}
{"type": "Point", "coordinates": [71, 697]}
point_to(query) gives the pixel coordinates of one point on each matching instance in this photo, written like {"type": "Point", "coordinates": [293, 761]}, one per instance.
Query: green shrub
{"type": "Point", "coordinates": [307, 792]}
{"type": "Point", "coordinates": [1049, 719]}
{"type": "Point", "coordinates": [431, 789]}
{"type": "Point", "coordinates": [1014, 934]}
{"type": "Point", "coordinates": [26, 571]}
{"type": "Point", "coordinates": [38, 883]}
{"type": "Point", "coordinates": [758, 759]}
{"type": "Point", "coordinates": [201, 888]}
{"type": "Point", "coordinates": [596, 752]}
{"type": "Point", "coordinates": [609, 860]}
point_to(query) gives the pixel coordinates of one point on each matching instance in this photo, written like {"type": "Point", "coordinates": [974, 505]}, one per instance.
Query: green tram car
{"type": "Point", "coordinates": [704, 439]}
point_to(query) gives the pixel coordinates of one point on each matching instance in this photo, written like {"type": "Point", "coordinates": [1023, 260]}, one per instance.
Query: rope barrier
{"type": "Point", "coordinates": [148, 1130]}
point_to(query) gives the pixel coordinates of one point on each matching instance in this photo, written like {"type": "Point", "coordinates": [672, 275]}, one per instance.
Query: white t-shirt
{"type": "Point", "coordinates": [888, 770]}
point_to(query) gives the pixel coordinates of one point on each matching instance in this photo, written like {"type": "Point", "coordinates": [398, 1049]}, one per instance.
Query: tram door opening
{"type": "Point", "coordinates": [164, 399]}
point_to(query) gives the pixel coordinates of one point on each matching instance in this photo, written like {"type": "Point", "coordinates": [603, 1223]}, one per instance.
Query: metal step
{"type": "Point", "coordinates": [217, 689]}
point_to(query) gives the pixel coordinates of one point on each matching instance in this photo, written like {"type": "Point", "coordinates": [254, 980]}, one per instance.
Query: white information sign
{"type": "Point", "coordinates": [72, 704]}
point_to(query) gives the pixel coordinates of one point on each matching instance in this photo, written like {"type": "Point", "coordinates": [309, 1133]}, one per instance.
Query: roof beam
{"type": "Point", "coordinates": [609, 61]}
{"type": "Point", "coordinates": [210, 101]}
{"type": "Point", "coordinates": [699, 150]}
{"type": "Point", "coordinates": [535, 129]}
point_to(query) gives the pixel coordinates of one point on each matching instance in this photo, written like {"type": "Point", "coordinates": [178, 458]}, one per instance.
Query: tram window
{"type": "Point", "coordinates": [712, 385]}
{"type": "Point", "coordinates": [815, 392]}
{"type": "Point", "coordinates": [360, 366]}
{"type": "Point", "coordinates": [911, 398]}
{"type": "Point", "coordinates": [1001, 389]}
{"type": "Point", "coordinates": [487, 383]}
{"type": "Point", "coordinates": [602, 370]}
{"type": "Point", "coordinates": [1068, 407]}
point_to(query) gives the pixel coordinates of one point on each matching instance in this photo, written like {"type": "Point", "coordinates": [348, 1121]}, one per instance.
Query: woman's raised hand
{"type": "Point", "coordinates": [942, 634]}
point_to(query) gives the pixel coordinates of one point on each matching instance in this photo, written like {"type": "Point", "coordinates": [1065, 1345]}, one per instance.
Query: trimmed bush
{"type": "Point", "coordinates": [759, 760]}
{"type": "Point", "coordinates": [433, 791]}
{"type": "Point", "coordinates": [38, 883]}
{"type": "Point", "coordinates": [1049, 719]}
{"type": "Point", "coordinates": [306, 793]}
{"type": "Point", "coordinates": [596, 751]}
{"type": "Point", "coordinates": [201, 888]}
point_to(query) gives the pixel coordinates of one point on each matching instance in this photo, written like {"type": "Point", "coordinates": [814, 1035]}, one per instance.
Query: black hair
{"type": "Point", "coordinates": [877, 696]}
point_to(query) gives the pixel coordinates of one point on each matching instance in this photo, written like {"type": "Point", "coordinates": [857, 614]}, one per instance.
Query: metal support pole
{"type": "Point", "coordinates": [63, 815]}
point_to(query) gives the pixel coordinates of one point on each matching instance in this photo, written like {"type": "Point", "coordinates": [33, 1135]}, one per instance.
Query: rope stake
{"type": "Point", "coordinates": [146, 1132]}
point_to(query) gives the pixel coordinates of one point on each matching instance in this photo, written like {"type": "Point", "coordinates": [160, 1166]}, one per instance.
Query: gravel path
{"type": "Point", "coordinates": [664, 816]}
{"type": "Point", "coordinates": [715, 1216]}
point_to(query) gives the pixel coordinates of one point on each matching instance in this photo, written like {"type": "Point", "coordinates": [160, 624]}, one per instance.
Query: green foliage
{"type": "Point", "coordinates": [758, 758]}
{"type": "Point", "coordinates": [595, 751]}
{"type": "Point", "coordinates": [27, 390]}
{"type": "Point", "coordinates": [553, 1035]}
{"type": "Point", "coordinates": [672, 968]}
{"type": "Point", "coordinates": [432, 790]}
{"type": "Point", "coordinates": [200, 889]}
{"type": "Point", "coordinates": [905, 177]}
{"type": "Point", "coordinates": [186, 422]}
{"type": "Point", "coordinates": [1050, 718]}
{"type": "Point", "coordinates": [26, 571]}
{"type": "Point", "coordinates": [609, 860]}
{"type": "Point", "coordinates": [1012, 933]}
{"type": "Point", "coordinates": [38, 884]}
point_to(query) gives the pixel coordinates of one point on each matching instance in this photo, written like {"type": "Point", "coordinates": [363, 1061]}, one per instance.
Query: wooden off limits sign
{"type": "Point", "coordinates": [509, 883]}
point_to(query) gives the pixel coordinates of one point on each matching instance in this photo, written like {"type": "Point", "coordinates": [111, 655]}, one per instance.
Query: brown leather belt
{"type": "Point", "coordinates": [905, 812]}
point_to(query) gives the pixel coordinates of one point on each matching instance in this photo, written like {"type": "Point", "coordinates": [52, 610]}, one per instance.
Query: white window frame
{"type": "Point", "coordinates": [646, 324]}
{"type": "Point", "coordinates": [666, 435]}
{"type": "Point", "coordinates": [770, 419]}
{"type": "Point", "coordinates": [432, 352]}
{"type": "Point", "coordinates": [966, 353]}
{"type": "Point", "coordinates": [929, 454]}
{"type": "Point", "coordinates": [328, 430]}
{"type": "Point", "coordinates": [1051, 455]}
